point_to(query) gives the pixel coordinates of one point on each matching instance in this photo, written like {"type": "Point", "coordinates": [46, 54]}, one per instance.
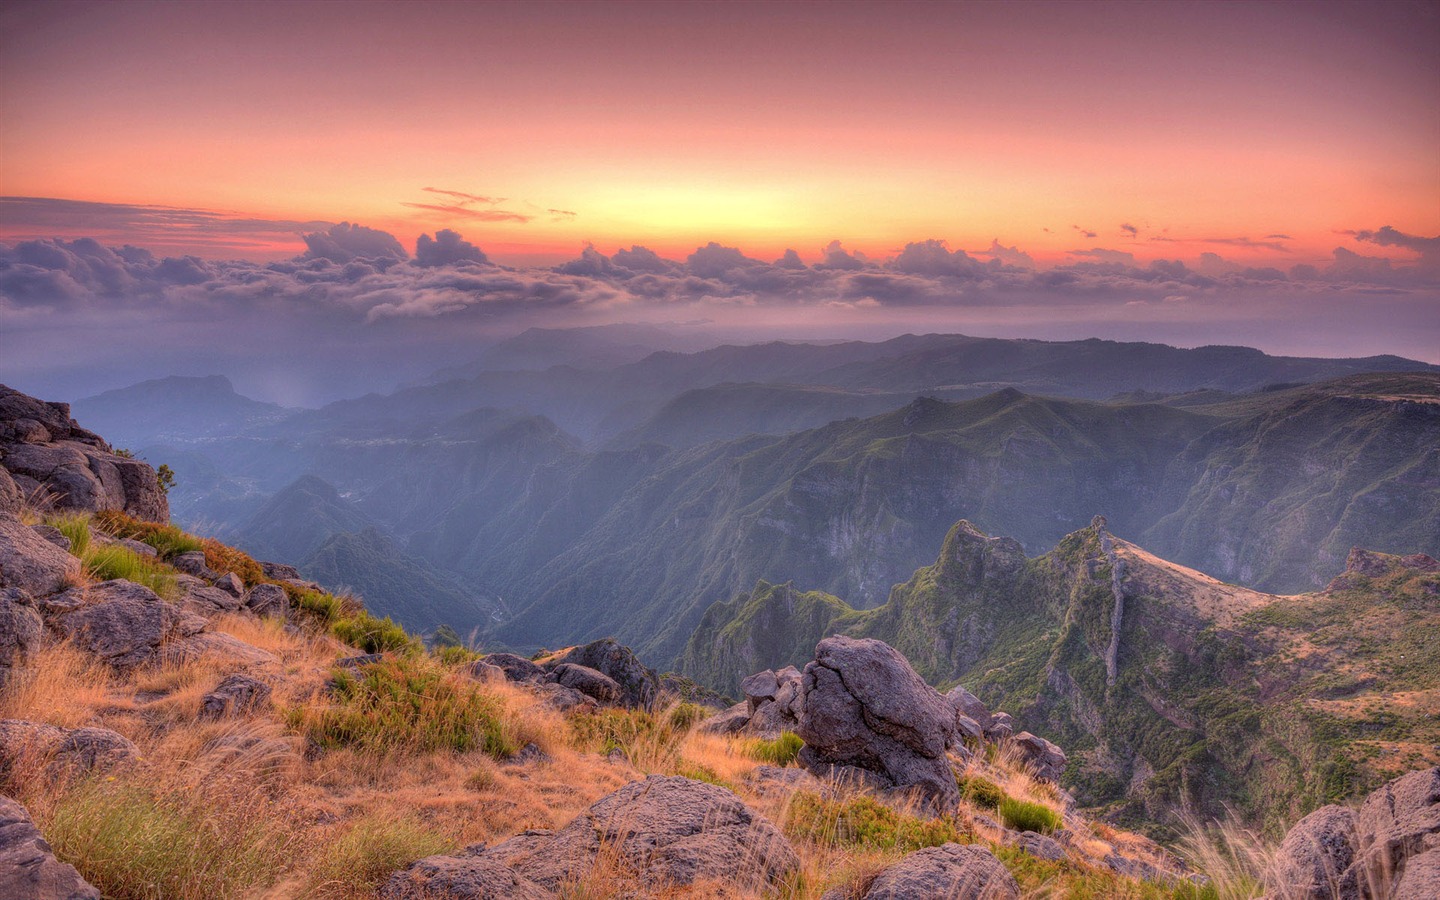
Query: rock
{"type": "Point", "coordinates": [1314, 860]}
{"type": "Point", "coordinates": [587, 681]}
{"type": "Point", "coordinates": [1001, 726]}
{"type": "Point", "coordinates": [124, 623]}
{"type": "Point", "coordinates": [92, 748]}
{"type": "Point", "coordinates": [21, 629]}
{"type": "Point", "coordinates": [11, 497]}
{"type": "Point", "coordinates": [1421, 880]}
{"type": "Point", "coordinates": [480, 670]}
{"type": "Point", "coordinates": [1132, 868]}
{"type": "Point", "coordinates": [268, 600]}
{"type": "Point", "coordinates": [780, 714]}
{"type": "Point", "coordinates": [1040, 846]}
{"type": "Point", "coordinates": [192, 562]}
{"type": "Point", "coordinates": [966, 703]}
{"type": "Point", "coordinates": [639, 685]}
{"type": "Point", "coordinates": [28, 867]}
{"type": "Point", "coordinates": [205, 599]}
{"type": "Point", "coordinates": [760, 688]}
{"type": "Point", "coordinates": [53, 535]}
{"type": "Point", "coordinates": [865, 707]}
{"type": "Point", "coordinates": [139, 548]}
{"type": "Point", "coordinates": [728, 722]}
{"type": "Point", "coordinates": [357, 662]}
{"type": "Point", "coordinates": [27, 746]}
{"type": "Point", "coordinates": [1393, 824]}
{"type": "Point", "coordinates": [968, 728]}
{"type": "Point", "coordinates": [222, 647]}
{"type": "Point", "coordinates": [662, 833]}
{"type": "Point", "coordinates": [1046, 759]}
{"type": "Point", "coordinates": [31, 563]}
{"type": "Point", "coordinates": [231, 584]}
{"type": "Point", "coordinates": [516, 668]}
{"type": "Point", "coordinates": [772, 780]}
{"type": "Point", "coordinates": [280, 571]}
{"type": "Point", "coordinates": [237, 694]}
{"type": "Point", "coordinates": [947, 872]}
{"type": "Point", "coordinates": [563, 699]}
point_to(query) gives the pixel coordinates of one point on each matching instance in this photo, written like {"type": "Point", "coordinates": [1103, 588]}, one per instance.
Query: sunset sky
{"type": "Point", "coordinates": [1259, 131]}
{"type": "Point", "coordinates": [394, 175]}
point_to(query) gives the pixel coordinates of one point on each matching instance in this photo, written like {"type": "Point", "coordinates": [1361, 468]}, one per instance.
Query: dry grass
{"type": "Point", "coordinates": [59, 685]}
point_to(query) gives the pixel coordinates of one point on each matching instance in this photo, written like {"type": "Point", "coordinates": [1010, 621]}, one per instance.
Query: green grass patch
{"type": "Point", "coordinates": [650, 741]}
{"type": "Point", "coordinates": [1023, 816]}
{"type": "Point", "coordinates": [864, 822]}
{"type": "Point", "coordinates": [133, 844]}
{"type": "Point", "coordinates": [980, 791]}
{"type": "Point", "coordinates": [779, 752]}
{"type": "Point", "coordinates": [107, 562]}
{"type": "Point", "coordinates": [698, 772]}
{"type": "Point", "coordinates": [408, 705]}
{"type": "Point", "coordinates": [76, 527]}
{"type": "Point", "coordinates": [168, 540]}
{"type": "Point", "coordinates": [372, 635]}
{"type": "Point", "coordinates": [366, 854]}
{"type": "Point", "coordinates": [325, 608]}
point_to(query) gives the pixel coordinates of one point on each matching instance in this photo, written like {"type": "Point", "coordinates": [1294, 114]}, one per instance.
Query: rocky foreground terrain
{"type": "Point", "coordinates": [178, 719]}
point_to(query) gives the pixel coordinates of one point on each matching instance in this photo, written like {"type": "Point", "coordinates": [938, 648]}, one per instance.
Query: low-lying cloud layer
{"type": "Point", "coordinates": [359, 286]}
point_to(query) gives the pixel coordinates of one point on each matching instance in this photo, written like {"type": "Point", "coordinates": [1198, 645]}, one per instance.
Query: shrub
{"type": "Point", "coordinates": [864, 822]}
{"type": "Point", "coordinates": [134, 844]}
{"type": "Point", "coordinates": [686, 715]}
{"type": "Point", "coordinates": [168, 540]}
{"type": "Point", "coordinates": [455, 656]}
{"type": "Point", "coordinates": [408, 705]}
{"type": "Point", "coordinates": [225, 559]}
{"type": "Point", "coordinates": [1023, 816]}
{"type": "Point", "coordinates": [981, 791]}
{"type": "Point", "coordinates": [370, 634]}
{"type": "Point", "coordinates": [325, 607]}
{"type": "Point", "coordinates": [76, 527]}
{"type": "Point", "coordinates": [103, 563]}
{"type": "Point", "coordinates": [360, 860]}
{"type": "Point", "coordinates": [650, 741]}
{"type": "Point", "coordinates": [780, 752]}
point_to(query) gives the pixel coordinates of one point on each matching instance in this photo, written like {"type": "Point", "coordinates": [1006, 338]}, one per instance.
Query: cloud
{"type": "Point", "coordinates": [1100, 254]}
{"type": "Point", "coordinates": [1085, 232]}
{"type": "Point", "coordinates": [715, 261]}
{"type": "Point", "coordinates": [447, 249]}
{"type": "Point", "coordinates": [1129, 229]}
{"type": "Point", "coordinates": [1010, 256]}
{"type": "Point", "coordinates": [464, 197]}
{"type": "Point", "coordinates": [562, 213]}
{"type": "Point", "coordinates": [789, 260]}
{"type": "Point", "coordinates": [835, 257]}
{"type": "Point", "coordinates": [479, 215]}
{"type": "Point", "coordinates": [344, 242]}
{"type": "Point", "coordinates": [934, 259]}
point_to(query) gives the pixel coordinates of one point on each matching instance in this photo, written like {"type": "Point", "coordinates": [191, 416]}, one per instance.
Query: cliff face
{"type": "Point", "coordinates": [46, 457]}
{"type": "Point", "coordinates": [1167, 686]}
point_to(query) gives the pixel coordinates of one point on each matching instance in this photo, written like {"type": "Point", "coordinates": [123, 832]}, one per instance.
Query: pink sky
{"type": "Point", "coordinates": [1260, 132]}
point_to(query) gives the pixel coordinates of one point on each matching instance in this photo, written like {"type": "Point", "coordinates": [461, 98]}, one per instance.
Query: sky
{"type": "Point", "coordinates": [525, 162]}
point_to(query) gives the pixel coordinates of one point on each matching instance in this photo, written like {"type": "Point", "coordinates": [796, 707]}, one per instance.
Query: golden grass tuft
{"type": "Point", "coordinates": [59, 685]}
{"type": "Point", "coordinates": [356, 861]}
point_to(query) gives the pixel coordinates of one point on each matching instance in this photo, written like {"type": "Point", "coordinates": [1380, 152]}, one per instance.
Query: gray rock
{"type": "Point", "coordinates": [865, 707]}
{"type": "Point", "coordinates": [1040, 846]}
{"type": "Point", "coordinates": [1314, 860]}
{"type": "Point", "coordinates": [760, 688]}
{"type": "Point", "coordinates": [1421, 880]}
{"type": "Point", "coordinates": [773, 780]}
{"type": "Point", "coordinates": [268, 600]}
{"type": "Point", "coordinates": [639, 684]}
{"type": "Point", "coordinates": [31, 563]}
{"type": "Point", "coordinates": [728, 722]}
{"type": "Point", "coordinates": [969, 729]}
{"type": "Point", "coordinates": [205, 599]}
{"type": "Point", "coordinates": [516, 668]}
{"type": "Point", "coordinates": [28, 747]}
{"type": "Point", "coordinates": [192, 562]}
{"type": "Point", "coordinates": [218, 646]}
{"type": "Point", "coordinates": [947, 872]}
{"type": "Point", "coordinates": [231, 584]}
{"type": "Point", "coordinates": [481, 670]}
{"type": "Point", "coordinates": [91, 748]}
{"type": "Point", "coordinates": [28, 867]}
{"type": "Point", "coordinates": [21, 629]}
{"type": "Point", "coordinates": [667, 832]}
{"type": "Point", "coordinates": [11, 497]}
{"type": "Point", "coordinates": [587, 681]}
{"type": "Point", "coordinates": [966, 703]}
{"type": "Point", "coordinates": [1045, 759]}
{"type": "Point", "coordinates": [125, 624]}
{"type": "Point", "coordinates": [53, 535]}
{"type": "Point", "coordinates": [563, 699]}
{"type": "Point", "coordinates": [1001, 726]}
{"type": "Point", "coordinates": [139, 548]}
{"type": "Point", "coordinates": [1393, 824]}
{"type": "Point", "coordinates": [237, 694]}
{"type": "Point", "coordinates": [464, 877]}
{"type": "Point", "coordinates": [280, 571]}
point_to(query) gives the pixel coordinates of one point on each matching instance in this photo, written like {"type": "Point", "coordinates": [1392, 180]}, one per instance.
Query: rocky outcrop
{"type": "Point", "coordinates": [596, 685]}
{"type": "Point", "coordinates": [774, 701]}
{"type": "Point", "coordinates": [947, 872]}
{"type": "Point", "coordinates": [659, 834]}
{"type": "Point", "coordinates": [26, 747]}
{"type": "Point", "coordinates": [31, 563]}
{"type": "Point", "coordinates": [516, 668]}
{"type": "Point", "coordinates": [28, 867]}
{"type": "Point", "coordinates": [1117, 590]}
{"type": "Point", "coordinates": [267, 600]}
{"type": "Point", "coordinates": [20, 629]}
{"type": "Point", "coordinates": [866, 708]}
{"type": "Point", "coordinates": [1390, 848]}
{"type": "Point", "coordinates": [51, 459]}
{"type": "Point", "coordinates": [639, 685]}
{"type": "Point", "coordinates": [237, 694]}
{"type": "Point", "coordinates": [1045, 759]}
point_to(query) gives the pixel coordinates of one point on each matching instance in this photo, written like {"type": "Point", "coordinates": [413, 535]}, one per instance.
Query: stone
{"type": "Point", "coordinates": [268, 600]}
{"type": "Point", "coordinates": [29, 746]}
{"type": "Point", "coordinates": [661, 833]}
{"type": "Point", "coordinates": [587, 681]}
{"type": "Point", "coordinates": [1044, 758]}
{"type": "Point", "coordinates": [947, 872]}
{"type": "Point", "coordinates": [776, 780]}
{"type": "Point", "coordinates": [760, 688]}
{"type": "Point", "coordinates": [1001, 727]}
{"type": "Point", "coordinates": [728, 722]}
{"type": "Point", "coordinates": [1421, 880]}
{"type": "Point", "coordinates": [28, 867]}
{"type": "Point", "coordinates": [231, 584]}
{"type": "Point", "coordinates": [865, 707]}
{"type": "Point", "coordinates": [1393, 824]}
{"type": "Point", "coordinates": [31, 563]}
{"type": "Point", "coordinates": [480, 670]}
{"type": "Point", "coordinates": [563, 699]}
{"type": "Point", "coordinates": [124, 623]}
{"type": "Point", "coordinates": [969, 729]}
{"type": "Point", "coordinates": [639, 684]}
{"type": "Point", "coordinates": [966, 703]}
{"type": "Point", "coordinates": [53, 535]}
{"type": "Point", "coordinates": [1314, 860]}
{"type": "Point", "coordinates": [11, 497]}
{"type": "Point", "coordinates": [516, 668]}
{"type": "Point", "coordinates": [1040, 846]}
{"type": "Point", "coordinates": [192, 562]}
{"type": "Point", "coordinates": [139, 548]}
{"type": "Point", "coordinates": [780, 714]}
{"type": "Point", "coordinates": [236, 694]}
{"type": "Point", "coordinates": [21, 629]}
{"type": "Point", "coordinates": [92, 748]}
{"type": "Point", "coordinates": [204, 599]}
{"type": "Point", "coordinates": [280, 571]}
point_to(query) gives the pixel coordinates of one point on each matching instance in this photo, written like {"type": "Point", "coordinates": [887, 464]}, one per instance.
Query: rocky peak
{"type": "Point", "coordinates": [1364, 563]}
{"type": "Point", "coordinates": [972, 554]}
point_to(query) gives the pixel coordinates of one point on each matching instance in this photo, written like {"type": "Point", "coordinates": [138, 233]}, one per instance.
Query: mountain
{"type": "Point", "coordinates": [592, 347]}
{"type": "Point", "coordinates": [297, 519]}
{"type": "Point", "coordinates": [159, 410]}
{"type": "Point", "coordinates": [1168, 688]}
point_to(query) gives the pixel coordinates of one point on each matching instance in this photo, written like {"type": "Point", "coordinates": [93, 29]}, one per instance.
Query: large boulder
{"type": "Point", "coordinates": [1394, 823]}
{"type": "Point", "coordinates": [21, 629]}
{"type": "Point", "coordinates": [1315, 858]}
{"type": "Point", "coordinates": [29, 747]}
{"type": "Point", "coordinates": [587, 681]}
{"type": "Point", "coordinates": [1421, 880]}
{"type": "Point", "coordinates": [268, 600]}
{"type": "Point", "coordinates": [237, 694]}
{"type": "Point", "coordinates": [947, 872]}
{"type": "Point", "coordinates": [1045, 759]}
{"type": "Point", "coordinates": [516, 668]}
{"type": "Point", "coordinates": [780, 712]}
{"type": "Point", "coordinates": [639, 685]}
{"type": "Point", "coordinates": [28, 867]}
{"type": "Point", "coordinates": [123, 623]}
{"type": "Point", "coordinates": [48, 456]}
{"type": "Point", "coordinates": [31, 563]}
{"type": "Point", "coordinates": [866, 708]}
{"type": "Point", "coordinates": [661, 833]}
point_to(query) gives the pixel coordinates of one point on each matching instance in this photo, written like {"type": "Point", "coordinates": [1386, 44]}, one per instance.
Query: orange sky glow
{"type": "Point", "coordinates": [1261, 132]}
